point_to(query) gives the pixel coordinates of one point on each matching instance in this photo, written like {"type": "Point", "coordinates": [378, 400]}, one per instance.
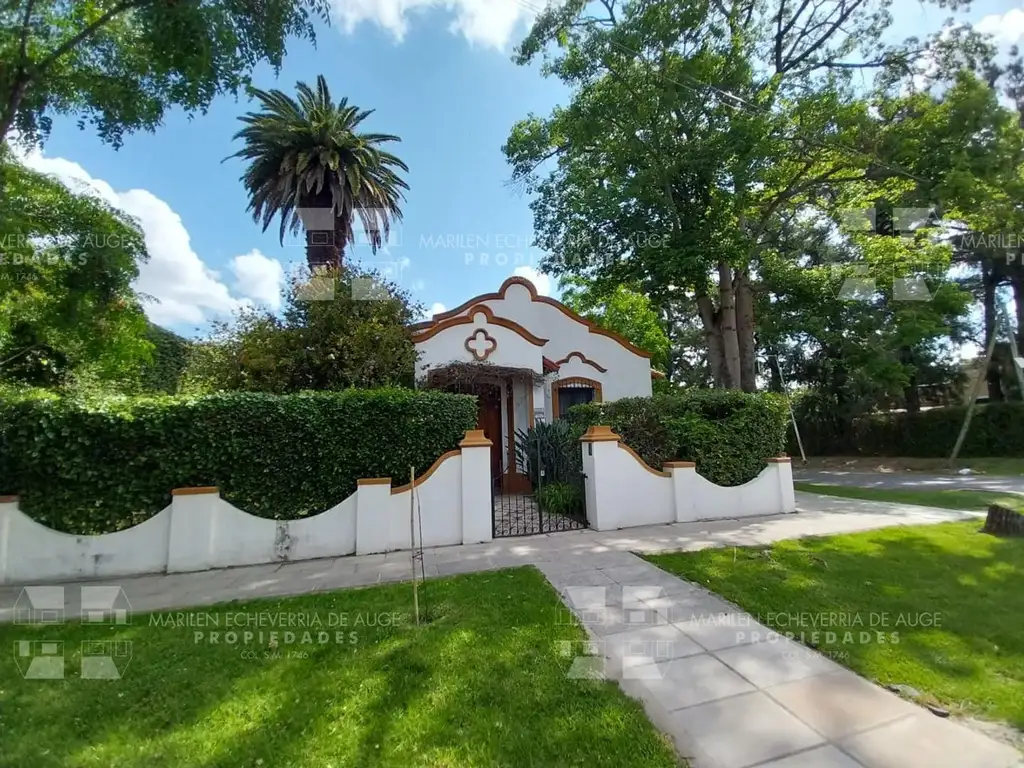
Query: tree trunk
{"type": "Point", "coordinates": [1017, 281]}
{"type": "Point", "coordinates": [911, 395]}
{"type": "Point", "coordinates": [1003, 521]}
{"type": "Point", "coordinates": [670, 331]}
{"type": "Point", "coordinates": [727, 325]}
{"type": "Point", "coordinates": [713, 338]}
{"type": "Point", "coordinates": [992, 374]}
{"type": "Point", "coordinates": [745, 332]}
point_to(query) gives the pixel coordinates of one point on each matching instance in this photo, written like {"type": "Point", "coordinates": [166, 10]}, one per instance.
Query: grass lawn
{"type": "Point", "coordinates": [988, 466]}
{"type": "Point", "coordinates": [954, 596]}
{"type": "Point", "coordinates": [484, 684]}
{"type": "Point", "coordinates": [946, 499]}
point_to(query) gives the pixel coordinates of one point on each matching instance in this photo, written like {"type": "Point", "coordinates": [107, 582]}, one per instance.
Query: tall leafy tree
{"type": "Point", "coordinates": [339, 329]}
{"type": "Point", "coordinates": [67, 263]}
{"type": "Point", "coordinates": [307, 160]}
{"type": "Point", "coordinates": [691, 127]}
{"type": "Point", "coordinates": [624, 310]}
{"type": "Point", "coordinates": [119, 64]}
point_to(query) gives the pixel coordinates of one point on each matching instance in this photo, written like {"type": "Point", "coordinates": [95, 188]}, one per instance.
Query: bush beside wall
{"type": "Point", "coordinates": [728, 434]}
{"type": "Point", "coordinates": [95, 468]}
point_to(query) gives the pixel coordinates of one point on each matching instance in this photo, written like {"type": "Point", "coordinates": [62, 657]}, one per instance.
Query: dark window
{"type": "Point", "coordinates": [570, 396]}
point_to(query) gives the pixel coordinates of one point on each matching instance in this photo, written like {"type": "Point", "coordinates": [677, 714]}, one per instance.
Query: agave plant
{"type": "Point", "coordinates": [550, 453]}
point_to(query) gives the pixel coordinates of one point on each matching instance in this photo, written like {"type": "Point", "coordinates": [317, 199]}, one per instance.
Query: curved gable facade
{"type": "Point", "coordinates": [545, 359]}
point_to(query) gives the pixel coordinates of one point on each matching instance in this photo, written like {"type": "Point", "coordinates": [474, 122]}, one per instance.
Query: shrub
{"type": "Point", "coordinates": [102, 466]}
{"type": "Point", "coordinates": [728, 434]}
{"type": "Point", "coordinates": [170, 355]}
{"type": "Point", "coordinates": [561, 499]}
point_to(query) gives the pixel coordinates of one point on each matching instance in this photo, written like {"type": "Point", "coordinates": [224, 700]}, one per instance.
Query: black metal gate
{"type": "Point", "coordinates": [546, 490]}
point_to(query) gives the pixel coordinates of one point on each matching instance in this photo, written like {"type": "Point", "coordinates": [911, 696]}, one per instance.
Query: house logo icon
{"type": "Point", "coordinates": [40, 605]}
{"type": "Point", "coordinates": [40, 659]}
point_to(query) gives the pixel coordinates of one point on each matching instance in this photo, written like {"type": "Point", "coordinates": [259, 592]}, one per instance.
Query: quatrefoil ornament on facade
{"type": "Point", "coordinates": [481, 344]}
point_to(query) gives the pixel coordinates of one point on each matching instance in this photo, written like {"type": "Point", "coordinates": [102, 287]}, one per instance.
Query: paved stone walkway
{"type": "Point", "coordinates": [519, 514]}
{"type": "Point", "coordinates": [729, 692]}
{"type": "Point", "coordinates": [733, 694]}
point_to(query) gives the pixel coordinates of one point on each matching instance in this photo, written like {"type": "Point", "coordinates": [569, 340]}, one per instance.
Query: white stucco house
{"type": "Point", "coordinates": [537, 358]}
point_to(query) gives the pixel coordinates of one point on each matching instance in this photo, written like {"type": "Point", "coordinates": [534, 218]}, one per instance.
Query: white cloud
{"type": "Point", "coordinates": [1007, 28]}
{"type": "Point", "coordinates": [185, 289]}
{"type": "Point", "coordinates": [540, 281]}
{"type": "Point", "coordinates": [435, 309]}
{"type": "Point", "coordinates": [488, 23]}
{"type": "Point", "coordinates": [259, 277]}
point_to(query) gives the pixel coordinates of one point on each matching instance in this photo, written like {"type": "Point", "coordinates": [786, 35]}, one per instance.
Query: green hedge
{"type": "Point", "coordinates": [93, 468]}
{"type": "Point", "coordinates": [728, 434]}
{"type": "Point", "coordinates": [997, 429]}
{"type": "Point", "coordinates": [170, 356]}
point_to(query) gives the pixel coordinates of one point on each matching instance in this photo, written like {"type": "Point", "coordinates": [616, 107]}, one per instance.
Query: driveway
{"type": "Point", "coordinates": [910, 480]}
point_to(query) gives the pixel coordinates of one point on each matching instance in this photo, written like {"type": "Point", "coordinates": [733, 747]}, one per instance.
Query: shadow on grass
{"type": "Point", "coordinates": [482, 684]}
{"type": "Point", "coordinates": [947, 599]}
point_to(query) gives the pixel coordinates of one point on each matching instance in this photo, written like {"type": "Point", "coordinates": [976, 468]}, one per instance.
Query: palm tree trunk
{"type": "Point", "coordinates": [321, 250]}
{"type": "Point", "coordinates": [323, 247]}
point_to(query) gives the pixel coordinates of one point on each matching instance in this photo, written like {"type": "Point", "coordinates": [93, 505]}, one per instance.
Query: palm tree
{"type": "Point", "coordinates": [309, 166]}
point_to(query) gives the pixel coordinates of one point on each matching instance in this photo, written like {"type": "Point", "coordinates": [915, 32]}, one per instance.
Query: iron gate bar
{"type": "Point", "coordinates": [545, 463]}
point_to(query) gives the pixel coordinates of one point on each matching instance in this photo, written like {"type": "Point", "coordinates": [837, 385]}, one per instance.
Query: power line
{"type": "Point", "coordinates": [740, 104]}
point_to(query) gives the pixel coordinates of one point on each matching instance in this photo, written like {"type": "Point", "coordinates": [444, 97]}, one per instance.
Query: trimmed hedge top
{"type": "Point", "coordinates": [101, 467]}
{"type": "Point", "coordinates": [727, 433]}
{"type": "Point", "coordinates": [997, 429]}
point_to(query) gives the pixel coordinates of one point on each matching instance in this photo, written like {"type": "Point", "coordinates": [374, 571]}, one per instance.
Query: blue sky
{"type": "Point", "coordinates": [439, 74]}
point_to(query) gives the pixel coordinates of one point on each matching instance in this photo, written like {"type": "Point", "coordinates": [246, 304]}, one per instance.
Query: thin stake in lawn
{"type": "Point", "coordinates": [417, 551]}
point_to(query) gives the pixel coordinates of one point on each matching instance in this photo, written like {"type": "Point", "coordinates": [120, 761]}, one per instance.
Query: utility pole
{"type": "Point", "coordinates": [1018, 361]}
{"type": "Point", "coordinates": [789, 402]}
{"type": "Point", "coordinates": [975, 391]}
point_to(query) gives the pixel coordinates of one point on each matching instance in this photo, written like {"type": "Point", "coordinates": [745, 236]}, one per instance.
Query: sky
{"type": "Point", "coordinates": [439, 74]}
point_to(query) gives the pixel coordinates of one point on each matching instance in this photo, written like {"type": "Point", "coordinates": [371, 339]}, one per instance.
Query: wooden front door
{"type": "Point", "coordinates": [489, 420]}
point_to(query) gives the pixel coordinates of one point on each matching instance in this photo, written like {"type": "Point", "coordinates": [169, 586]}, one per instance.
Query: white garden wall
{"type": "Point", "coordinates": [199, 530]}
{"type": "Point", "coordinates": [624, 492]}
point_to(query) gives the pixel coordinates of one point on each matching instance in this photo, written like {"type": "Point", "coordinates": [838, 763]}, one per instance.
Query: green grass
{"type": "Point", "coordinates": [483, 684]}
{"type": "Point", "coordinates": [953, 596]}
{"type": "Point", "coordinates": [946, 499]}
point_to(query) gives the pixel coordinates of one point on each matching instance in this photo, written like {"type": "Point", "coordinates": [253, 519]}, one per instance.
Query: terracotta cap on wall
{"type": "Point", "coordinates": [475, 438]}
{"type": "Point", "coordinates": [684, 464]}
{"type": "Point", "coordinates": [8, 499]}
{"type": "Point", "coordinates": [195, 491]}
{"type": "Point", "coordinates": [778, 460]}
{"type": "Point", "coordinates": [373, 481]}
{"type": "Point", "coordinates": [600, 435]}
